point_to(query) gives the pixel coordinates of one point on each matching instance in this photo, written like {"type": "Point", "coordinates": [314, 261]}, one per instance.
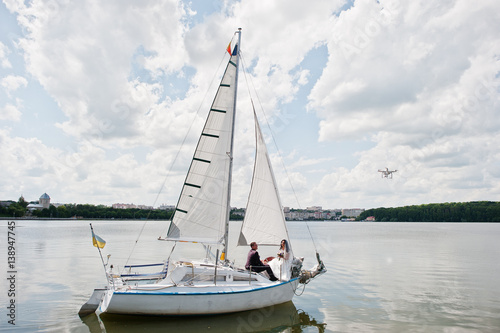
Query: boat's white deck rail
{"type": "Point", "coordinates": [192, 274]}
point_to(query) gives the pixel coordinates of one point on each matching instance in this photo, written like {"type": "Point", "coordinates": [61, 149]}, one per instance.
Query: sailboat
{"type": "Point", "coordinates": [214, 285]}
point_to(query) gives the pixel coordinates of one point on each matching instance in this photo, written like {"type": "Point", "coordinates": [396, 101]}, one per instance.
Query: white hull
{"type": "Point", "coordinates": [189, 289]}
{"type": "Point", "coordinates": [198, 300]}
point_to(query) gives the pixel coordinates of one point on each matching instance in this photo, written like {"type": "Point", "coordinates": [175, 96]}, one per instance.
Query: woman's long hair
{"type": "Point", "coordinates": [287, 249]}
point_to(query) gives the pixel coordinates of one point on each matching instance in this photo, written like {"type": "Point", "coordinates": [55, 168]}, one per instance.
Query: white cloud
{"type": "Point", "coordinates": [13, 82]}
{"type": "Point", "coordinates": [10, 112]}
{"type": "Point", "coordinates": [4, 51]}
{"type": "Point", "coordinates": [83, 54]}
{"type": "Point", "coordinates": [422, 81]}
{"type": "Point", "coordinates": [84, 175]}
{"type": "Point", "coordinates": [402, 61]}
{"type": "Point", "coordinates": [302, 77]}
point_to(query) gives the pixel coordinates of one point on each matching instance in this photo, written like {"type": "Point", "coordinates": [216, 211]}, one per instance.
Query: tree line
{"type": "Point", "coordinates": [476, 211]}
{"type": "Point", "coordinates": [87, 211]}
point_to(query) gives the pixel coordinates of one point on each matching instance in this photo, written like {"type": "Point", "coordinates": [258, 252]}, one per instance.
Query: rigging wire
{"type": "Point", "coordinates": [275, 143]}
{"type": "Point", "coordinates": [178, 153]}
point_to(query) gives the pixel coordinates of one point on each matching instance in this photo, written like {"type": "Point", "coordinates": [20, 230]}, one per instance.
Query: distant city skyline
{"type": "Point", "coordinates": [130, 205]}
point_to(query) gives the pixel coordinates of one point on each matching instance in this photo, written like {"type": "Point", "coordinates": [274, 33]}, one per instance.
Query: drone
{"type": "Point", "coordinates": [387, 173]}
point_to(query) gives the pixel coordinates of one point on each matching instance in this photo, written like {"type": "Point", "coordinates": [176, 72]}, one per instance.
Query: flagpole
{"type": "Point", "coordinates": [98, 248]}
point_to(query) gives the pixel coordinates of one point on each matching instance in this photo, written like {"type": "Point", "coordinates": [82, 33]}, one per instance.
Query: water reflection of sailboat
{"type": "Point", "coordinates": [307, 321]}
{"type": "Point", "coordinates": [279, 318]}
{"type": "Point", "coordinates": [273, 318]}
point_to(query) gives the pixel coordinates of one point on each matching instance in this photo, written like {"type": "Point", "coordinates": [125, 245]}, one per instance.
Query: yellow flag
{"type": "Point", "coordinates": [98, 241]}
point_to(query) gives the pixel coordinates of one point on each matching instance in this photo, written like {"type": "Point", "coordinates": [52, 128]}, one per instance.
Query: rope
{"type": "Point", "coordinates": [303, 288]}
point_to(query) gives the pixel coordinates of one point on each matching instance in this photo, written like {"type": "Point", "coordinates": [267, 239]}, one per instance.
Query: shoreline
{"type": "Point", "coordinates": [311, 221]}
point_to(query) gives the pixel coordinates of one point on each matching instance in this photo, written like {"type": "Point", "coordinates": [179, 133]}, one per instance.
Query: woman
{"type": "Point", "coordinates": [282, 264]}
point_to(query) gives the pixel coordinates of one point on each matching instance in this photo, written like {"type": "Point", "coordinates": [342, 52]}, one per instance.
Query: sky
{"type": "Point", "coordinates": [102, 102]}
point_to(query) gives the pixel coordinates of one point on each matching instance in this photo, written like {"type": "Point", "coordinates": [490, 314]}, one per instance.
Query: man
{"type": "Point", "coordinates": [254, 263]}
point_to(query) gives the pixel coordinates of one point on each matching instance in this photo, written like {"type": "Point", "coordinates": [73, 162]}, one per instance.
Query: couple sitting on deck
{"type": "Point", "coordinates": [277, 266]}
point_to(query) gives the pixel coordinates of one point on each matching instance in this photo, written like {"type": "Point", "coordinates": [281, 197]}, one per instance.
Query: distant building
{"type": "Point", "coordinates": [129, 206]}
{"type": "Point", "coordinates": [239, 212]}
{"type": "Point", "coordinates": [310, 213]}
{"type": "Point", "coordinates": [6, 203]}
{"type": "Point", "coordinates": [166, 207]}
{"type": "Point", "coordinates": [123, 206]}
{"type": "Point", "coordinates": [43, 202]}
{"type": "Point", "coordinates": [352, 212]}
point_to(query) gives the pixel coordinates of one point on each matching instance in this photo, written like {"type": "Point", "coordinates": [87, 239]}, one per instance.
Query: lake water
{"type": "Point", "coordinates": [382, 277]}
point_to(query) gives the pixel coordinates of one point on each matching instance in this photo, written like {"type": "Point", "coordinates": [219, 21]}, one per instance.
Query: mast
{"type": "Point", "coordinates": [230, 153]}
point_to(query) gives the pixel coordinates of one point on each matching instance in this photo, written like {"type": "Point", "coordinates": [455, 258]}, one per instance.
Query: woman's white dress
{"type": "Point", "coordinates": [282, 266]}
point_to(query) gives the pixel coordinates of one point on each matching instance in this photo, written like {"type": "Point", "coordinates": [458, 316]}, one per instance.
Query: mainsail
{"type": "Point", "coordinates": [264, 221]}
{"type": "Point", "coordinates": [202, 210]}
